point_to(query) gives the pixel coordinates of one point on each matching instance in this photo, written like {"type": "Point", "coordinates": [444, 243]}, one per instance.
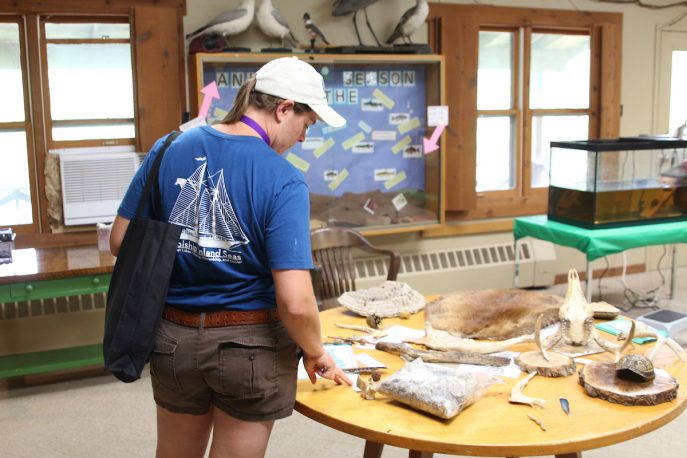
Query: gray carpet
{"type": "Point", "coordinates": [96, 416]}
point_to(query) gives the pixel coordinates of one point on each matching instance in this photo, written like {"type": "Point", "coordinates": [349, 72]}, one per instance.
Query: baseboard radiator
{"type": "Point", "coordinates": [51, 306]}
{"type": "Point", "coordinates": [478, 267]}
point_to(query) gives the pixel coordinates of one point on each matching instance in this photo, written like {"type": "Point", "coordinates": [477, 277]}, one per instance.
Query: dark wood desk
{"type": "Point", "coordinates": [34, 339]}
{"type": "Point", "coordinates": [491, 426]}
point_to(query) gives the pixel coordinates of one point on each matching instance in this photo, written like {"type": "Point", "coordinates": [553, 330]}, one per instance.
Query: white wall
{"type": "Point", "coordinates": [640, 26]}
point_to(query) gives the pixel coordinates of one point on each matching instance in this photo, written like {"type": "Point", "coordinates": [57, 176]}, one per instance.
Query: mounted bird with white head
{"type": "Point", "coordinates": [229, 23]}
{"type": "Point", "coordinates": [411, 20]}
{"type": "Point", "coordinates": [273, 24]}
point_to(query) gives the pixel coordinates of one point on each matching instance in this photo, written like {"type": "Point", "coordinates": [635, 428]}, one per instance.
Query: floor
{"type": "Point", "coordinates": [86, 415]}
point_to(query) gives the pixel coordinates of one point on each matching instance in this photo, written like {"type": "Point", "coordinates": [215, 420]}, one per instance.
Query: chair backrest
{"type": "Point", "coordinates": [332, 251]}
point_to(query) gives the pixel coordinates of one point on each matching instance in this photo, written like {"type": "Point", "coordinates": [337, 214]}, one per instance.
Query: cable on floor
{"type": "Point", "coordinates": [649, 299]}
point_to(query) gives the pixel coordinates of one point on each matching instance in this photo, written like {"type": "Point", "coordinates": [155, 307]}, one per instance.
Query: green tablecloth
{"type": "Point", "coordinates": [597, 243]}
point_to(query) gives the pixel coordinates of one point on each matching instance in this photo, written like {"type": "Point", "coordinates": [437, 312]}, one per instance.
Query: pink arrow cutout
{"type": "Point", "coordinates": [431, 144]}
{"type": "Point", "coordinates": [209, 92]}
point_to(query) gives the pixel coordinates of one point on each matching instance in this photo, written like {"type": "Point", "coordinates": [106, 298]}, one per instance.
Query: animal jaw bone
{"type": "Point", "coordinates": [436, 339]}
{"type": "Point", "coordinates": [642, 330]}
{"type": "Point", "coordinates": [518, 397]}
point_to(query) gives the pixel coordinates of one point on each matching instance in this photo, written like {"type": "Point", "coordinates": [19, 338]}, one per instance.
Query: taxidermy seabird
{"type": "Point", "coordinates": [411, 20]}
{"type": "Point", "coordinates": [273, 24]}
{"type": "Point", "coordinates": [231, 22]}
{"type": "Point", "coordinates": [313, 31]}
{"type": "Point", "coordinates": [344, 7]}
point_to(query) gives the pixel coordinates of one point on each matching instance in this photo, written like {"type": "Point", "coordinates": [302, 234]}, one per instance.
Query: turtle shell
{"type": "Point", "coordinates": [635, 368]}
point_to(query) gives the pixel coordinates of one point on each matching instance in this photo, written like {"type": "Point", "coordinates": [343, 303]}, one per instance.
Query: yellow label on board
{"type": "Point", "coordinates": [343, 174]}
{"type": "Point", "coordinates": [349, 143]}
{"type": "Point", "coordinates": [385, 99]}
{"type": "Point", "coordinates": [219, 113]}
{"type": "Point", "coordinates": [393, 181]}
{"type": "Point", "coordinates": [299, 163]}
{"type": "Point", "coordinates": [409, 125]}
{"type": "Point", "coordinates": [324, 147]}
{"type": "Point", "coordinates": [402, 143]}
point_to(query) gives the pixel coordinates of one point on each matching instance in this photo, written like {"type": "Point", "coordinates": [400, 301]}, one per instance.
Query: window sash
{"type": "Point", "coordinates": [66, 133]}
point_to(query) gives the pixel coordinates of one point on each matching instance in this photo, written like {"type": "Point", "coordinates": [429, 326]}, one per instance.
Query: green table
{"type": "Point", "coordinates": [597, 243]}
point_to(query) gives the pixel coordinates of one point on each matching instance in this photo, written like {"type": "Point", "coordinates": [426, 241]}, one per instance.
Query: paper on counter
{"type": "Point", "coordinates": [397, 334]}
{"type": "Point", "coordinates": [343, 357]}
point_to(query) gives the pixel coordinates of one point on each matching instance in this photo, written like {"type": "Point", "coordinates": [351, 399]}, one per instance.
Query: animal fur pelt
{"type": "Point", "coordinates": [494, 314]}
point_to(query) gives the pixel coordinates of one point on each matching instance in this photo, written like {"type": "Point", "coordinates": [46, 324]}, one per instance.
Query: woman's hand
{"type": "Point", "coordinates": [325, 367]}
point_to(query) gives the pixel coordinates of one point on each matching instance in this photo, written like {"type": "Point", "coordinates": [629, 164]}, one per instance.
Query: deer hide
{"type": "Point", "coordinates": [494, 314]}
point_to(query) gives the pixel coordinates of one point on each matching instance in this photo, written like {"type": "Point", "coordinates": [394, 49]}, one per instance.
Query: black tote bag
{"type": "Point", "coordinates": [139, 284]}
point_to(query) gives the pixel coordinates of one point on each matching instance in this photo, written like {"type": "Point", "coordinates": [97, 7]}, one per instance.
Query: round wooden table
{"type": "Point", "coordinates": [491, 426]}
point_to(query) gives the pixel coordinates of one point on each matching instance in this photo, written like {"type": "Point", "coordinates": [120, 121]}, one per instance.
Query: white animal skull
{"type": "Point", "coordinates": [577, 322]}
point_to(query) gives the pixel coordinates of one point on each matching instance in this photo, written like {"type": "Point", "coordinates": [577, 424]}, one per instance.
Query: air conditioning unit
{"type": "Point", "coordinates": [94, 183]}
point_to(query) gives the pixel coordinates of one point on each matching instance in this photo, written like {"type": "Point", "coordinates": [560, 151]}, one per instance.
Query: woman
{"type": "Point", "coordinates": [240, 303]}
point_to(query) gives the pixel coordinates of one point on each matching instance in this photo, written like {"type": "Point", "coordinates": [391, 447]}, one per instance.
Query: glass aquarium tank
{"type": "Point", "coordinates": [618, 182]}
{"type": "Point", "coordinates": [372, 174]}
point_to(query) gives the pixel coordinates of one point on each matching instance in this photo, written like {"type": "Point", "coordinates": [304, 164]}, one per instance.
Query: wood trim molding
{"type": "Point", "coordinates": [156, 47]}
{"type": "Point", "coordinates": [84, 7]}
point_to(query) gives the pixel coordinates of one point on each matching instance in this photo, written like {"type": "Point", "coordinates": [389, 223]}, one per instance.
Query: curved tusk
{"type": "Point", "coordinates": [537, 337]}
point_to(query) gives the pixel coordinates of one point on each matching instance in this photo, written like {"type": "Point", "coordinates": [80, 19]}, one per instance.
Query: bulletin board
{"type": "Point", "coordinates": [375, 162]}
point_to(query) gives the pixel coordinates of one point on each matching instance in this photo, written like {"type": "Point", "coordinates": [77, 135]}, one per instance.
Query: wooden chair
{"type": "Point", "coordinates": [332, 251]}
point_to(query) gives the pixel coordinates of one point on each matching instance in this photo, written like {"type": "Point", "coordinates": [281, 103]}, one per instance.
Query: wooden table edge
{"type": "Point", "coordinates": [488, 450]}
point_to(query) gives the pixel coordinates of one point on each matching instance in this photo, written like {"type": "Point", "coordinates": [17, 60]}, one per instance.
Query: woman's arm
{"type": "Point", "coordinates": [117, 234]}
{"type": "Point", "coordinates": [298, 311]}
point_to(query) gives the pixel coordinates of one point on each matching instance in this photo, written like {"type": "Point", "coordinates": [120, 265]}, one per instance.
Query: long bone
{"type": "Point", "coordinates": [437, 339]}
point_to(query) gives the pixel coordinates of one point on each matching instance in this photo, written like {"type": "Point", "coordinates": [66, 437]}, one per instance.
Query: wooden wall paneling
{"type": "Point", "coordinates": [157, 76]}
{"type": "Point", "coordinates": [610, 83]}
{"type": "Point", "coordinates": [458, 44]}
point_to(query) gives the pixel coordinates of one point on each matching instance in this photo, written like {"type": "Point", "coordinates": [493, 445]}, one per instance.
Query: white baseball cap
{"type": "Point", "coordinates": [291, 78]}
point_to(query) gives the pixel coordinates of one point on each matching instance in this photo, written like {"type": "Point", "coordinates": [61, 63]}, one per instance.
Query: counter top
{"type": "Point", "coordinates": [32, 264]}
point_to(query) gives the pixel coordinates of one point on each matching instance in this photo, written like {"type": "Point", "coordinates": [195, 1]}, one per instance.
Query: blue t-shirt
{"type": "Point", "coordinates": [244, 210]}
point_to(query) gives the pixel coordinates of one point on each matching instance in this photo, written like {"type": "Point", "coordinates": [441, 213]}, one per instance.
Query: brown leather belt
{"type": "Point", "coordinates": [219, 319]}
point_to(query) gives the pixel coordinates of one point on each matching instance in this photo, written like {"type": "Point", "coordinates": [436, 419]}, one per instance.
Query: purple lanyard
{"type": "Point", "coordinates": [256, 127]}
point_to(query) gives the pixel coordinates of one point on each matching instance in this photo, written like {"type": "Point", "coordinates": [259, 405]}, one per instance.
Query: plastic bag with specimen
{"type": "Point", "coordinates": [437, 390]}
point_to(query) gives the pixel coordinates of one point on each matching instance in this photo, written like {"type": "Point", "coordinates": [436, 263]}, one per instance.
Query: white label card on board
{"type": "Point", "coordinates": [437, 115]}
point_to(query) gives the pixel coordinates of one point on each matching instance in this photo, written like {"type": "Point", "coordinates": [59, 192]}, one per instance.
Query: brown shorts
{"type": "Point", "coordinates": [248, 371]}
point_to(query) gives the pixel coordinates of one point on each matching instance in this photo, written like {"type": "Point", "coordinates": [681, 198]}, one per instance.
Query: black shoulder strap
{"type": "Point", "coordinates": [151, 179]}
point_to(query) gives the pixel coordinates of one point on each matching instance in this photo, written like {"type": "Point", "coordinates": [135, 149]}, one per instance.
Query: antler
{"type": "Point", "coordinates": [614, 348]}
{"type": "Point", "coordinates": [642, 330]}
{"type": "Point", "coordinates": [537, 338]}
{"type": "Point", "coordinates": [518, 397]}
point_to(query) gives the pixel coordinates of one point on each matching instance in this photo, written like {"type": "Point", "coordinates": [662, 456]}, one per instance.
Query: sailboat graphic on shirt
{"type": "Point", "coordinates": [207, 216]}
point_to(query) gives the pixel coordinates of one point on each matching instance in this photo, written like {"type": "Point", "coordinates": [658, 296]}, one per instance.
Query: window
{"type": "Point", "coordinates": [518, 79]}
{"type": "Point", "coordinates": [678, 91]}
{"type": "Point", "coordinates": [557, 108]}
{"type": "Point", "coordinates": [67, 72]}
{"type": "Point", "coordinates": [90, 82]}
{"type": "Point", "coordinates": [87, 99]}
{"type": "Point", "coordinates": [15, 180]}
